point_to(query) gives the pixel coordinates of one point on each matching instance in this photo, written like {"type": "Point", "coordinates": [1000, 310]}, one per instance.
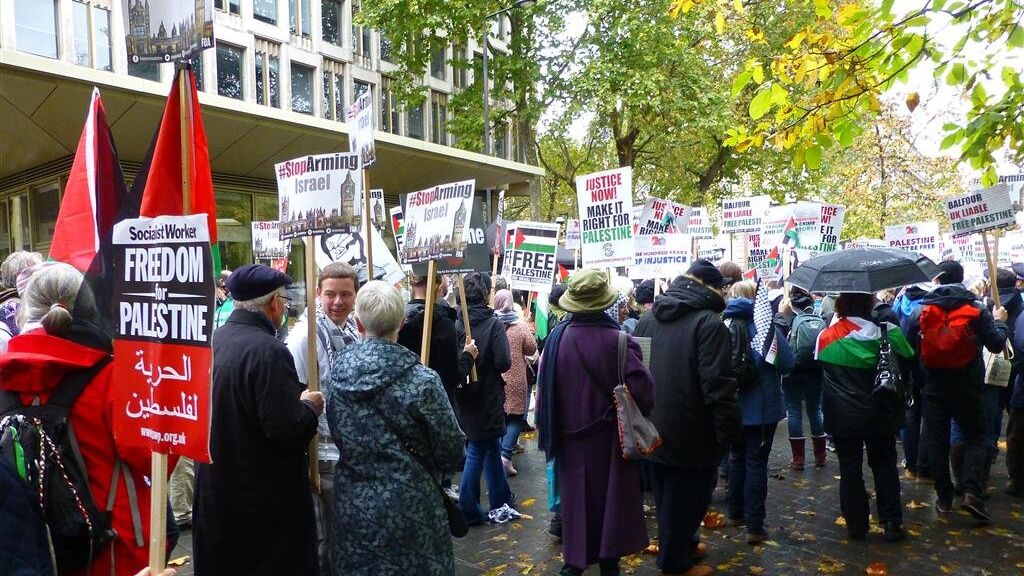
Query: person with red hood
{"type": "Point", "coordinates": [58, 338]}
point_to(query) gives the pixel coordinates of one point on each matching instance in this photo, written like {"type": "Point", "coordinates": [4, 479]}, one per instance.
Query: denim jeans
{"type": "Point", "coordinates": [482, 457]}
{"type": "Point", "coordinates": [853, 500]}
{"type": "Point", "coordinates": [993, 423]}
{"type": "Point", "coordinates": [798, 389]}
{"type": "Point", "coordinates": [748, 476]}
{"type": "Point", "coordinates": [514, 424]}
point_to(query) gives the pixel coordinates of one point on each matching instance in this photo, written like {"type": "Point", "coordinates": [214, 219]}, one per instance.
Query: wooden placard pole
{"type": "Point", "coordinates": [158, 465]}
{"type": "Point", "coordinates": [428, 312]}
{"type": "Point", "coordinates": [368, 218]}
{"type": "Point", "coordinates": [494, 274]}
{"type": "Point", "coordinates": [992, 258]}
{"type": "Point", "coordinates": [312, 362]}
{"type": "Point", "coordinates": [746, 250]}
{"type": "Point", "coordinates": [529, 304]}
{"type": "Point", "coordinates": [465, 318]}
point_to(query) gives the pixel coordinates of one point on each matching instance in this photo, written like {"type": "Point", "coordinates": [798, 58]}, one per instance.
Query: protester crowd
{"type": "Point", "coordinates": [393, 433]}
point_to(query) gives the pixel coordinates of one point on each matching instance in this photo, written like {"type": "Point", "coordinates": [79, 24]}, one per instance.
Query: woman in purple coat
{"type": "Point", "coordinates": [602, 501]}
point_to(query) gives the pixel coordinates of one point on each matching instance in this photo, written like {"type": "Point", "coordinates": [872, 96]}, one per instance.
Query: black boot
{"type": "Point", "coordinates": [894, 531]}
{"type": "Point", "coordinates": [609, 567]}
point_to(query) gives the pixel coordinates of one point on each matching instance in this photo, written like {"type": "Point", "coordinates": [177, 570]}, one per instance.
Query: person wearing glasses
{"type": "Point", "coordinates": [263, 419]}
{"type": "Point", "coordinates": [335, 329]}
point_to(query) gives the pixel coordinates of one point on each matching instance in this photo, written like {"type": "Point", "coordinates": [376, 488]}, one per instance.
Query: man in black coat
{"type": "Point", "coordinates": [253, 512]}
{"type": "Point", "coordinates": [696, 408]}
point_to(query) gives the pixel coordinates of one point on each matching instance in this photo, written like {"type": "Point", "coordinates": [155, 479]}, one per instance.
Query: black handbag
{"type": "Point", "coordinates": [457, 525]}
{"type": "Point", "coordinates": [889, 382]}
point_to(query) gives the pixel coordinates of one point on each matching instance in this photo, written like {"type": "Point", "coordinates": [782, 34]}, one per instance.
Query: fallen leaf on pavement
{"type": "Point", "coordinates": [713, 520]}
{"type": "Point", "coordinates": [500, 538]}
{"type": "Point", "coordinates": [948, 569]}
{"type": "Point", "coordinates": [877, 569]}
{"type": "Point", "coordinates": [913, 532]}
{"type": "Point", "coordinates": [800, 537]}
{"type": "Point", "coordinates": [1002, 445]}
{"type": "Point", "coordinates": [840, 521]}
{"type": "Point", "coordinates": [179, 561]}
{"type": "Point", "coordinates": [1001, 532]}
{"type": "Point", "coordinates": [653, 550]}
{"type": "Point", "coordinates": [916, 505]}
{"type": "Point", "coordinates": [806, 512]}
{"type": "Point", "coordinates": [756, 570]}
{"type": "Point", "coordinates": [497, 570]}
{"type": "Point", "coordinates": [731, 563]}
{"type": "Point", "coordinates": [830, 565]}
{"type": "Point", "coordinates": [528, 502]}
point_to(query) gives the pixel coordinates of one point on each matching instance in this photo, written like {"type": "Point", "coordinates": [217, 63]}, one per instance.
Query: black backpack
{"type": "Point", "coordinates": [741, 358]}
{"type": "Point", "coordinates": [38, 442]}
{"type": "Point", "coordinates": [803, 337]}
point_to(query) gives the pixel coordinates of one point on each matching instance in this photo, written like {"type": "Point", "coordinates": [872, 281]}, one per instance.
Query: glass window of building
{"type": "Point", "coordinates": [300, 18]}
{"type": "Point", "coordinates": [35, 27]}
{"type": "Point", "coordinates": [359, 88]}
{"type": "Point", "coordinates": [232, 6]}
{"type": "Point", "coordinates": [460, 67]}
{"type": "Point", "coordinates": [267, 73]}
{"type": "Point", "coordinates": [302, 88]}
{"type": "Point", "coordinates": [234, 228]}
{"type": "Point", "coordinates": [45, 206]}
{"type": "Point", "coordinates": [332, 106]}
{"type": "Point", "coordinates": [389, 112]}
{"type": "Point", "coordinates": [266, 207]}
{"type": "Point", "coordinates": [360, 35]}
{"type": "Point", "coordinates": [438, 118]}
{"type": "Point", "coordinates": [501, 141]}
{"type": "Point", "coordinates": [149, 70]}
{"type": "Point", "coordinates": [416, 122]}
{"type": "Point", "coordinates": [265, 11]}
{"type": "Point", "coordinates": [5, 229]}
{"type": "Point", "coordinates": [229, 71]}
{"type": "Point", "coordinates": [385, 48]}
{"type": "Point", "coordinates": [91, 27]}
{"type": "Point", "coordinates": [330, 14]}
{"type": "Point", "coordinates": [197, 68]}
{"type": "Point", "coordinates": [438, 63]}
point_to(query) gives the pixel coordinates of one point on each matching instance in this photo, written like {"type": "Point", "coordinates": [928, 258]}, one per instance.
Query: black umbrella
{"type": "Point", "coordinates": [863, 270]}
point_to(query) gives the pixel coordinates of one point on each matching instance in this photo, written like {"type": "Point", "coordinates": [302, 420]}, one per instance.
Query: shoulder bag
{"type": "Point", "coordinates": [889, 382]}
{"type": "Point", "coordinates": [998, 366]}
{"type": "Point", "coordinates": [637, 435]}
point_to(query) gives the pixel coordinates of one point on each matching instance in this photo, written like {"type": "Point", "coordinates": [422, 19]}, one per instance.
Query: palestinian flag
{"type": "Point", "coordinates": [159, 183]}
{"type": "Point", "coordinates": [854, 343]}
{"type": "Point", "coordinates": [540, 315]}
{"type": "Point", "coordinates": [563, 273]}
{"type": "Point", "coordinates": [94, 199]}
{"type": "Point", "coordinates": [528, 239]}
{"type": "Point", "coordinates": [789, 235]}
{"type": "Point", "coordinates": [398, 226]}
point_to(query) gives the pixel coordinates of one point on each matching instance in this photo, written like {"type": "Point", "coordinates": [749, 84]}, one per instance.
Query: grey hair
{"type": "Point", "coordinates": [380, 309]}
{"type": "Point", "coordinates": [51, 296]}
{"type": "Point", "coordinates": [260, 303]}
{"type": "Point", "coordinates": [14, 264]}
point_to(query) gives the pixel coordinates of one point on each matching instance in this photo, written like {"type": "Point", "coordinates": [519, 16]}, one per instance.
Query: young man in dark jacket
{"type": "Point", "coordinates": [480, 407]}
{"type": "Point", "coordinates": [696, 409]}
{"type": "Point", "coordinates": [956, 393]}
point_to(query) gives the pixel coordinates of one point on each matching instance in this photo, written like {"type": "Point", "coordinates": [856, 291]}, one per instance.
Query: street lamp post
{"type": "Point", "coordinates": [486, 80]}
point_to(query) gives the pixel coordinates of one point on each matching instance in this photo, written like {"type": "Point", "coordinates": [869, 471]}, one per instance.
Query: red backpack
{"type": "Point", "coordinates": [947, 336]}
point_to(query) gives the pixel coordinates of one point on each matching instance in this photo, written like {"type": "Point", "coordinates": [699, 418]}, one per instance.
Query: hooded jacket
{"type": "Point", "coordinates": [383, 405]}
{"type": "Point", "coordinates": [446, 355]}
{"type": "Point", "coordinates": [696, 406]}
{"type": "Point", "coordinates": [762, 404]}
{"type": "Point", "coordinates": [35, 364]}
{"type": "Point", "coordinates": [480, 406]}
{"type": "Point", "coordinates": [989, 333]}
{"type": "Point", "coordinates": [907, 303]}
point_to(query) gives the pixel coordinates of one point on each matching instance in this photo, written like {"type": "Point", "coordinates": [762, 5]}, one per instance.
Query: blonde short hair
{"type": "Point", "coordinates": [745, 289]}
{"type": "Point", "coordinates": [380, 309]}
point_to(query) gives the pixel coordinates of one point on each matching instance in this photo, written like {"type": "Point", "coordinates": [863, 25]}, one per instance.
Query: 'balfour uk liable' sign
{"type": "Point", "coordinates": [981, 210]}
{"type": "Point", "coordinates": [743, 214]}
{"type": "Point", "coordinates": [605, 203]}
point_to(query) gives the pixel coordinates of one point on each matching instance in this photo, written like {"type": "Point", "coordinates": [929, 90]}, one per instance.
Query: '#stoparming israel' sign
{"type": "Point", "coordinates": [266, 241]}
{"type": "Point", "coordinates": [981, 210]}
{"type": "Point", "coordinates": [317, 194]}
{"type": "Point", "coordinates": [165, 296]}
{"type": "Point", "coordinates": [605, 203]}
{"type": "Point", "coordinates": [530, 256]}
{"type": "Point", "coordinates": [437, 222]}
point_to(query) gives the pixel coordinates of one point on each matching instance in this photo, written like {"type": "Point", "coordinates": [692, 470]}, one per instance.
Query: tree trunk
{"type": "Point", "coordinates": [713, 172]}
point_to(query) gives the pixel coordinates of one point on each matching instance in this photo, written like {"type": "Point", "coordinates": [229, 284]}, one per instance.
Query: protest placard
{"type": "Point", "coordinates": [377, 210]}
{"type": "Point", "coordinates": [661, 248]}
{"type": "Point", "coordinates": [981, 210]}
{"type": "Point", "coordinates": [920, 237]}
{"type": "Point", "coordinates": [970, 248]}
{"type": "Point", "coordinates": [398, 227]}
{"type": "Point", "coordinates": [360, 129]}
{"type": "Point", "coordinates": [714, 250]}
{"type": "Point", "coordinates": [757, 251]}
{"type": "Point", "coordinates": [529, 262]}
{"type": "Point", "coordinates": [1011, 249]}
{"type": "Point", "coordinates": [605, 200]}
{"type": "Point", "coordinates": [317, 194]}
{"type": "Point", "coordinates": [266, 241]}
{"type": "Point", "coordinates": [773, 224]}
{"type": "Point", "coordinates": [188, 29]}
{"type": "Point", "coordinates": [743, 214]}
{"type": "Point", "coordinates": [165, 294]}
{"type": "Point", "coordinates": [477, 258]}
{"type": "Point", "coordinates": [350, 247]}
{"type": "Point", "coordinates": [437, 222]}
{"type": "Point", "coordinates": [818, 226]}
{"type": "Point", "coordinates": [700, 224]}
{"type": "Point", "coordinates": [572, 234]}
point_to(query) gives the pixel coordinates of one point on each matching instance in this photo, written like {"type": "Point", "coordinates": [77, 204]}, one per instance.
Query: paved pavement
{"type": "Point", "coordinates": [807, 536]}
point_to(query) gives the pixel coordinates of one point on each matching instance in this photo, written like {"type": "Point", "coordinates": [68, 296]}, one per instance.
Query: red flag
{"type": "Point", "coordinates": [162, 170]}
{"type": "Point", "coordinates": [94, 193]}
{"type": "Point", "coordinates": [563, 272]}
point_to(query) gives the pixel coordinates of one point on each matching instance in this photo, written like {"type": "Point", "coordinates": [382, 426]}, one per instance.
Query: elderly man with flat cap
{"type": "Point", "coordinates": [253, 509]}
